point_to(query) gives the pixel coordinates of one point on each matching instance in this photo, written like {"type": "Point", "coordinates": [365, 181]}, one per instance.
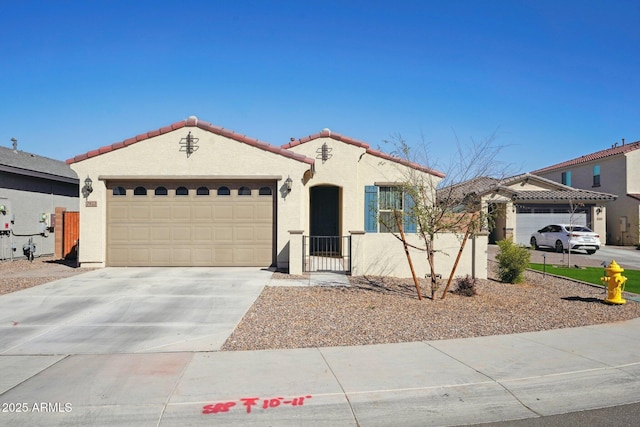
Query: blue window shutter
{"type": "Point", "coordinates": [410, 223]}
{"type": "Point", "coordinates": [371, 209]}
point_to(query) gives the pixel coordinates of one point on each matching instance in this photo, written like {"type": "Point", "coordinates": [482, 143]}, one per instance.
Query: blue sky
{"type": "Point", "coordinates": [551, 80]}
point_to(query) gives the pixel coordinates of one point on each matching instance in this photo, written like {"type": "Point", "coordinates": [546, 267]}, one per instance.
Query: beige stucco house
{"type": "Point", "coordinates": [615, 170]}
{"type": "Point", "coordinates": [522, 204]}
{"type": "Point", "coordinates": [195, 194]}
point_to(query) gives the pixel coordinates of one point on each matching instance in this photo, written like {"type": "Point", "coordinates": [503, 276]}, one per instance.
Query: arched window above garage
{"type": "Point", "coordinates": [140, 191]}
{"type": "Point", "coordinates": [161, 191]}
{"type": "Point", "coordinates": [224, 191]}
{"type": "Point", "coordinates": [119, 191]}
{"type": "Point", "coordinates": [244, 191]}
{"type": "Point", "coordinates": [264, 191]}
{"type": "Point", "coordinates": [202, 191]}
{"type": "Point", "coordinates": [182, 191]}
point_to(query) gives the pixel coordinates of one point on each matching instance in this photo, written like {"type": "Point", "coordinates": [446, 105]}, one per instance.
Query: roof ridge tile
{"type": "Point", "coordinates": [194, 122]}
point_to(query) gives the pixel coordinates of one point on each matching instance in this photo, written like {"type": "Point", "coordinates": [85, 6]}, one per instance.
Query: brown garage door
{"type": "Point", "coordinates": [190, 223]}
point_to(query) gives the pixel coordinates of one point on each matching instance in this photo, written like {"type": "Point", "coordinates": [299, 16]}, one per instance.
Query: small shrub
{"type": "Point", "coordinates": [465, 286]}
{"type": "Point", "coordinates": [512, 261]}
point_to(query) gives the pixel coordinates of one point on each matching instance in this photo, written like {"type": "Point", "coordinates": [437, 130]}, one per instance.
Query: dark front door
{"type": "Point", "coordinates": [325, 217]}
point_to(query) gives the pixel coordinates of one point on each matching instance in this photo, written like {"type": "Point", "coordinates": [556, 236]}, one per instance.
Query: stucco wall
{"type": "Point", "coordinates": [619, 175]}
{"type": "Point", "coordinates": [384, 255]}
{"type": "Point", "coordinates": [348, 167]}
{"type": "Point", "coordinates": [216, 156]}
{"type": "Point", "coordinates": [351, 168]}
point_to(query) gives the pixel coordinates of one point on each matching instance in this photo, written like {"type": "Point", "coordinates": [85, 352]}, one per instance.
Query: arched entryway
{"type": "Point", "coordinates": [325, 249]}
{"type": "Point", "coordinates": [324, 210]}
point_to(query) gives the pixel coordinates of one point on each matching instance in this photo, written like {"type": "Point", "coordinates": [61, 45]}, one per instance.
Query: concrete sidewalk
{"type": "Point", "coordinates": [449, 382]}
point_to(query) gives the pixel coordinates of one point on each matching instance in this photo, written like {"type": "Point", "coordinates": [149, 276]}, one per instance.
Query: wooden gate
{"type": "Point", "coordinates": [70, 234]}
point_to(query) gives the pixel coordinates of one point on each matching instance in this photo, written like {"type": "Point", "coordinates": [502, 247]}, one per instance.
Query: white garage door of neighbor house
{"type": "Point", "coordinates": [190, 223]}
{"type": "Point", "coordinates": [529, 223]}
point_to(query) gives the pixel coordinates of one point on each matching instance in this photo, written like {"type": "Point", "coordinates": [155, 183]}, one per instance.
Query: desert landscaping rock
{"type": "Point", "coordinates": [377, 310]}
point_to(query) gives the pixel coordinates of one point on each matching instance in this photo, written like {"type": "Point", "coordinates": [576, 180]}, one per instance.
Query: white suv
{"type": "Point", "coordinates": [561, 237]}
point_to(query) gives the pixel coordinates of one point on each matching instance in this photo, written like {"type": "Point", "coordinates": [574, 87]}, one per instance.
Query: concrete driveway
{"type": "Point", "coordinates": [129, 310]}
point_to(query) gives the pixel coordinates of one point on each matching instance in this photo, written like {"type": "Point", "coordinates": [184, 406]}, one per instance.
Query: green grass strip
{"type": "Point", "coordinates": [591, 275]}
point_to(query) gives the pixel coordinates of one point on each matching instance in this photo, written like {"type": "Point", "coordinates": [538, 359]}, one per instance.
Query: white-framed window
{"type": "Point", "coordinates": [389, 201]}
{"type": "Point", "coordinates": [381, 203]}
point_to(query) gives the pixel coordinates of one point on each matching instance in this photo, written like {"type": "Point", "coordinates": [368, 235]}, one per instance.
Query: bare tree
{"type": "Point", "coordinates": [573, 209]}
{"type": "Point", "coordinates": [450, 204]}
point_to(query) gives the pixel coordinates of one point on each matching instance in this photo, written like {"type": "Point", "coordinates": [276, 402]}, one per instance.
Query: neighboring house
{"type": "Point", "coordinates": [522, 204]}
{"type": "Point", "coordinates": [614, 170]}
{"type": "Point", "coordinates": [194, 194]}
{"type": "Point", "coordinates": [32, 188]}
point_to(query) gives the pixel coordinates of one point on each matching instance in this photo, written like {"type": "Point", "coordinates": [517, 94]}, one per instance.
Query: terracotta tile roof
{"type": "Point", "coordinates": [483, 185]}
{"type": "Point", "coordinates": [194, 122]}
{"type": "Point", "coordinates": [613, 151]}
{"type": "Point", "coordinates": [326, 133]}
{"type": "Point", "coordinates": [23, 163]}
{"type": "Point", "coordinates": [574, 195]}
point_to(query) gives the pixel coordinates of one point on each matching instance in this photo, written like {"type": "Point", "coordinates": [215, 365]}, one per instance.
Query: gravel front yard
{"type": "Point", "coordinates": [21, 274]}
{"type": "Point", "coordinates": [377, 310]}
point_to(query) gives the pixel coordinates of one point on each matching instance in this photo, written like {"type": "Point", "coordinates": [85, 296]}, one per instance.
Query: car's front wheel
{"type": "Point", "coordinates": [534, 243]}
{"type": "Point", "coordinates": [559, 247]}
{"type": "Point", "coordinates": [591, 252]}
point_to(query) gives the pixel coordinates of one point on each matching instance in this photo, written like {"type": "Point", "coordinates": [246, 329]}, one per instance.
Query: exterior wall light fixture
{"type": "Point", "coordinates": [288, 183]}
{"type": "Point", "coordinates": [88, 187]}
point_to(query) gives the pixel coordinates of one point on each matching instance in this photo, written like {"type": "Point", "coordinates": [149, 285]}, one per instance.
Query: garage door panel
{"type": "Point", "coordinates": [119, 234]}
{"type": "Point", "coordinates": [243, 256]}
{"type": "Point", "coordinates": [263, 254]}
{"type": "Point", "coordinates": [160, 256]}
{"type": "Point", "coordinates": [181, 234]}
{"type": "Point", "coordinates": [223, 235]}
{"type": "Point", "coordinates": [161, 212]}
{"type": "Point", "coordinates": [222, 213]}
{"type": "Point", "coordinates": [223, 256]}
{"type": "Point", "coordinates": [203, 213]}
{"type": "Point", "coordinates": [243, 212]}
{"type": "Point", "coordinates": [263, 234]}
{"type": "Point", "coordinates": [202, 256]}
{"type": "Point", "coordinates": [264, 212]}
{"type": "Point", "coordinates": [203, 235]}
{"type": "Point", "coordinates": [161, 234]}
{"type": "Point", "coordinates": [118, 212]}
{"type": "Point", "coordinates": [140, 212]}
{"type": "Point", "coordinates": [181, 256]}
{"type": "Point", "coordinates": [140, 255]}
{"type": "Point", "coordinates": [243, 234]}
{"type": "Point", "coordinates": [118, 256]}
{"type": "Point", "coordinates": [139, 234]}
{"type": "Point", "coordinates": [529, 223]}
{"type": "Point", "coordinates": [181, 213]}
{"type": "Point", "coordinates": [207, 230]}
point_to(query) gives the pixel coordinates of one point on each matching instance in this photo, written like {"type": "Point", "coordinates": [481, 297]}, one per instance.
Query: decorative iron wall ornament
{"type": "Point", "coordinates": [189, 144]}
{"type": "Point", "coordinates": [324, 152]}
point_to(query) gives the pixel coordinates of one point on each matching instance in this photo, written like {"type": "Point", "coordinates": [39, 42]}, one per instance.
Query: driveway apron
{"type": "Point", "coordinates": [129, 310]}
